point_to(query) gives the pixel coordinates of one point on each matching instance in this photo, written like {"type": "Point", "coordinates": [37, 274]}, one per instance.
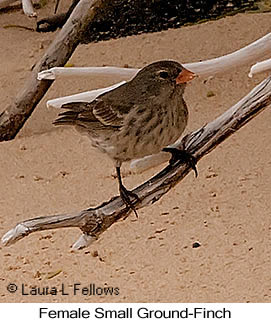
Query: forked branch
{"type": "Point", "coordinates": [94, 221]}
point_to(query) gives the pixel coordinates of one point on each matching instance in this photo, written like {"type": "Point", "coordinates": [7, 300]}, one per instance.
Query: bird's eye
{"type": "Point", "coordinates": [163, 74]}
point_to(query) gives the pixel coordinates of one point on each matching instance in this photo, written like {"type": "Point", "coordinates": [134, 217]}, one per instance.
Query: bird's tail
{"type": "Point", "coordinates": [70, 116]}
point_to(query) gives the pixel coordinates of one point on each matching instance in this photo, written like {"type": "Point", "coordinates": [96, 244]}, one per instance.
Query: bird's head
{"type": "Point", "coordinates": [165, 73]}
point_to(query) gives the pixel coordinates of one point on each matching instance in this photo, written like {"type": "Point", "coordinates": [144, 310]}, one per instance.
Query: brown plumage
{"type": "Point", "coordinates": [138, 118]}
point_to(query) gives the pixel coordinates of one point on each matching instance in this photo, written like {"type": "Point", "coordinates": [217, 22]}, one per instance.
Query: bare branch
{"type": "Point", "coordinates": [80, 97]}
{"type": "Point", "coordinates": [28, 8]}
{"type": "Point", "coordinates": [13, 118]}
{"type": "Point", "coordinates": [241, 57]}
{"type": "Point", "coordinates": [94, 221]}
{"type": "Point", "coordinates": [52, 73]}
{"type": "Point", "coordinates": [260, 67]}
{"type": "Point", "coordinates": [244, 56]}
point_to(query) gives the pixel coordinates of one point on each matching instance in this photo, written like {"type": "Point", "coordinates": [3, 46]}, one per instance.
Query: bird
{"type": "Point", "coordinates": [139, 118]}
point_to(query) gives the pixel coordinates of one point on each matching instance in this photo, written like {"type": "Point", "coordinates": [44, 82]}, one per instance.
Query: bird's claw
{"type": "Point", "coordinates": [184, 156]}
{"type": "Point", "coordinates": [126, 198]}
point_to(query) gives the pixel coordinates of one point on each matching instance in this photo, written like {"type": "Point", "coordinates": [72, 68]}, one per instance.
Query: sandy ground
{"type": "Point", "coordinates": [227, 209]}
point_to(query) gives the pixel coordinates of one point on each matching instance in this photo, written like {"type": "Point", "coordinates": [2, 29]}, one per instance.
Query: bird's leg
{"type": "Point", "coordinates": [184, 156]}
{"type": "Point", "coordinates": [125, 194]}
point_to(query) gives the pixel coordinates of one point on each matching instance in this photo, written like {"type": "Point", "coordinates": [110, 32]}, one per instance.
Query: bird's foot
{"type": "Point", "coordinates": [182, 155]}
{"type": "Point", "coordinates": [126, 197]}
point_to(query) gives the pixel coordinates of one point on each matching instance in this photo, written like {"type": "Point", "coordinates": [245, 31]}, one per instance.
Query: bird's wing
{"type": "Point", "coordinates": [107, 113]}
{"type": "Point", "coordinates": [97, 114]}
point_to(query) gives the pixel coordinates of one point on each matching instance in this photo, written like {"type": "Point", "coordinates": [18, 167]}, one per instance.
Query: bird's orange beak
{"type": "Point", "coordinates": [185, 76]}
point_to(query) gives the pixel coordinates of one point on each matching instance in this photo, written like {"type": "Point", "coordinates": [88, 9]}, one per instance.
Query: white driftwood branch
{"type": "Point", "coordinates": [260, 67]}
{"type": "Point", "coordinates": [80, 97]}
{"type": "Point", "coordinates": [52, 73]}
{"type": "Point", "coordinates": [94, 221]}
{"type": "Point", "coordinates": [6, 3]}
{"type": "Point", "coordinates": [28, 8]}
{"type": "Point", "coordinates": [243, 56]}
